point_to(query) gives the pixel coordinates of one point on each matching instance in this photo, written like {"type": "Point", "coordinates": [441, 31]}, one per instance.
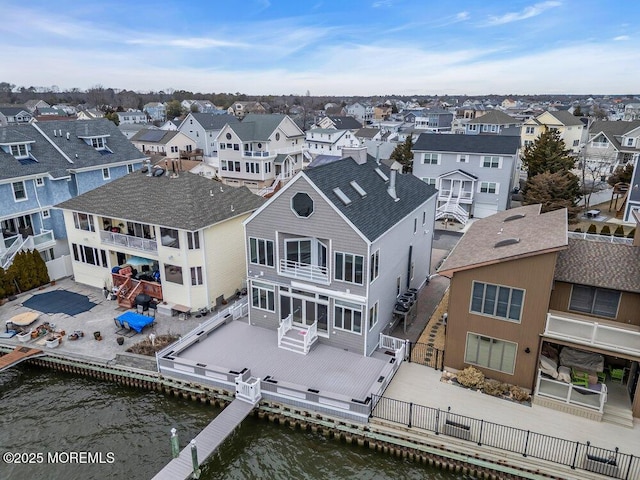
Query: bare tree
{"type": "Point", "coordinates": [594, 169]}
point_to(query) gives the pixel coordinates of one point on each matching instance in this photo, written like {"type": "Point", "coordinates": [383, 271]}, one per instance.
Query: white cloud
{"type": "Point", "coordinates": [460, 16]}
{"type": "Point", "coordinates": [525, 13]}
{"type": "Point", "coordinates": [383, 3]}
{"type": "Point", "coordinates": [188, 43]}
{"type": "Point", "coordinates": [622, 38]}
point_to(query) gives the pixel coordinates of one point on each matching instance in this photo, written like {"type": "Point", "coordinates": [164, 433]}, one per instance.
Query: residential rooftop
{"type": "Point", "coordinates": [494, 144]}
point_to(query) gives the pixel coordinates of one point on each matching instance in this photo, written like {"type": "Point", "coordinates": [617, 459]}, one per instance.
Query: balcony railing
{"type": "Point", "coordinates": [456, 194]}
{"type": "Point", "coordinates": [304, 271]}
{"type": "Point", "coordinates": [255, 154]}
{"type": "Point", "coordinates": [128, 241]}
{"type": "Point", "coordinates": [44, 238]}
{"type": "Point", "coordinates": [621, 338]}
{"type": "Point", "coordinates": [592, 398]}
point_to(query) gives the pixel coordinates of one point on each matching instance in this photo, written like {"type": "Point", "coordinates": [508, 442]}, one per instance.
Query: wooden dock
{"type": "Point", "coordinates": [19, 354]}
{"type": "Point", "coordinates": [207, 441]}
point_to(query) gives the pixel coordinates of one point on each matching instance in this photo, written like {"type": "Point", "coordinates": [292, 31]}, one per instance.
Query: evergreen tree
{"type": "Point", "coordinates": [547, 154]}
{"type": "Point", "coordinates": [554, 191]}
{"type": "Point", "coordinates": [40, 268]}
{"type": "Point", "coordinates": [403, 154]}
{"type": "Point", "coordinates": [621, 174]}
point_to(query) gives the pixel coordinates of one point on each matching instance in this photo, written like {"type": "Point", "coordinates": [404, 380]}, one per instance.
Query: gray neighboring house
{"type": "Point", "coordinates": [491, 123]}
{"type": "Point", "coordinates": [329, 254]}
{"type": "Point", "coordinates": [14, 116]}
{"type": "Point", "coordinates": [434, 120]}
{"type": "Point", "coordinates": [203, 128]}
{"type": "Point", "coordinates": [474, 175]}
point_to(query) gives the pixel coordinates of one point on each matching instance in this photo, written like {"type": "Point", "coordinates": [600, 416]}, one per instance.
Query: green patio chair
{"type": "Point", "coordinates": [617, 374]}
{"type": "Point", "coordinates": [579, 378]}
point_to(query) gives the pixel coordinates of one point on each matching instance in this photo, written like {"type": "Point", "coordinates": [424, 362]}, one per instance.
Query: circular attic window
{"type": "Point", "coordinates": [302, 204]}
{"type": "Point", "coordinates": [228, 136]}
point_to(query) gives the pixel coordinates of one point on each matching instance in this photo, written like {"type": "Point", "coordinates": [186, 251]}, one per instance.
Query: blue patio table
{"type": "Point", "coordinates": [135, 320]}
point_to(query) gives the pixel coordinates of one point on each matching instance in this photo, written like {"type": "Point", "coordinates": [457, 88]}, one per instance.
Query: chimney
{"type": "Point", "coordinates": [391, 189]}
{"type": "Point", "coordinates": [359, 154]}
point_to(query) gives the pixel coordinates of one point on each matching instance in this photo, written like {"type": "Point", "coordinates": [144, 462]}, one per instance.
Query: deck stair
{"type": "Point", "coordinates": [294, 340]}
{"type": "Point", "coordinates": [19, 354]}
{"type": "Point", "coordinates": [618, 415]}
{"type": "Point", "coordinates": [452, 210]}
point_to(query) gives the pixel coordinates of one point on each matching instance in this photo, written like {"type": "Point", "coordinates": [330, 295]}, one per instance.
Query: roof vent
{"type": "Point", "coordinates": [514, 217]}
{"type": "Point", "coordinates": [506, 241]}
{"type": "Point", "coordinates": [342, 196]}
{"type": "Point", "coordinates": [382, 175]}
{"type": "Point", "coordinates": [358, 188]}
{"type": "Point", "coordinates": [158, 172]}
{"type": "Point", "coordinates": [68, 135]}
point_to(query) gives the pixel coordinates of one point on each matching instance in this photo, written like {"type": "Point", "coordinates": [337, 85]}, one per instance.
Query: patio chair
{"type": "Point", "coordinates": [617, 374]}
{"type": "Point", "coordinates": [119, 327]}
{"type": "Point", "coordinates": [579, 378]}
{"type": "Point", "coordinates": [130, 331]}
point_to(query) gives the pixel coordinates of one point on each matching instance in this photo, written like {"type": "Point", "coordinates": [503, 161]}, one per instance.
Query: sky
{"type": "Point", "coordinates": [345, 48]}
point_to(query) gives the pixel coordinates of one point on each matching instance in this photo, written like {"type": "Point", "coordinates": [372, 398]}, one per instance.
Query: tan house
{"type": "Point", "coordinates": [170, 143]}
{"type": "Point", "coordinates": [551, 313]}
{"type": "Point", "coordinates": [571, 129]}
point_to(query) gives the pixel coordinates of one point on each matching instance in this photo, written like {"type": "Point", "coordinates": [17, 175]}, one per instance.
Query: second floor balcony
{"type": "Point", "coordinates": [304, 271]}
{"type": "Point", "coordinates": [129, 241]}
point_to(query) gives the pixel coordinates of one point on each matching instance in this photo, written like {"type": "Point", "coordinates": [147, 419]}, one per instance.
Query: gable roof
{"type": "Point", "coordinates": [367, 132]}
{"type": "Point", "coordinates": [155, 135]}
{"type": "Point", "coordinates": [479, 247]}
{"type": "Point", "coordinates": [187, 202]}
{"type": "Point", "coordinates": [583, 263]}
{"type": "Point", "coordinates": [441, 142]}
{"type": "Point", "coordinates": [12, 111]}
{"type": "Point", "coordinates": [494, 117]}
{"type": "Point", "coordinates": [566, 118]}
{"type": "Point", "coordinates": [256, 127]}
{"type": "Point", "coordinates": [48, 158]}
{"type": "Point", "coordinates": [345, 122]}
{"type": "Point", "coordinates": [212, 121]}
{"type": "Point", "coordinates": [377, 212]}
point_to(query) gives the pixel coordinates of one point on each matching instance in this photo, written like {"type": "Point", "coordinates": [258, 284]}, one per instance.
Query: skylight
{"type": "Point", "coordinates": [382, 175]}
{"type": "Point", "coordinates": [506, 241]}
{"type": "Point", "coordinates": [514, 217]}
{"type": "Point", "coordinates": [358, 188]}
{"type": "Point", "coordinates": [342, 196]}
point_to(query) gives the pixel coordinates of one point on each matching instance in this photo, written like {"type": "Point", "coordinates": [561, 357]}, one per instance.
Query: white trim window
{"type": "Point", "coordinates": [488, 187]}
{"type": "Point", "coordinates": [46, 213]}
{"type": "Point", "coordinates": [106, 175]}
{"type": "Point", "coordinates": [347, 316]}
{"type": "Point", "coordinates": [263, 296]}
{"type": "Point", "coordinates": [349, 267]}
{"type": "Point", "coordinates": [130, 168]}
{"type": "Point", "coordinates": [261, 252]}
{"type": "Point", "coordinates": [373, 316]}
{"type": "Point", "coordinates": [89, 255]}
{"type": "Point", "coordinates": [600, 141]}
{"type": "Point", "coordinates": [463, 158]}
{"type": "Point", "coordinates": [83, 221]}
{"type": "Point", "coordinates": [19, 151]}
{"type": "Point", "coordinates": [490, 353]}
{"type": "Point", "coordinates": [374, 265]}
{"type": "Point", "coordinates": [491, 162]}
{"type": "Point", "coordinates": [497, 301]}
{"type": "Point", "coordinates": [429, 180]}
{"type": "Point", "coordinates": [193, 240]}
{"type": "Point", "coordinates": [19, 191]}
{"type": "Point", "coordinates": [594, 301]}
{"type": "Point", "coordinates": [431, 159]}
{"type": "Point", "coordinates": [99, 143]}
{"type": "Point", "coordinates": [529, 130]}
{"type": "Point", "coordinates": [196, 276]}
{"type": "Point", "coordinates": [40, 182]}
{"type": "Point", "coordinates": [473, 127]}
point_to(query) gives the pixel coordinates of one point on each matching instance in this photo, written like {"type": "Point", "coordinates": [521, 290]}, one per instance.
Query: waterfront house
{"type": "Point", "coordinates": [570, 128]}
{"type": "Point", "coordinates": [329, 254]}
{"type": "Point", "coordinates": [181, 232]}
{"type": "Point", "coordinates": [44, 163]}
{"type": "Point", "coordinates": [522, 287]}
{"type": "Point", "coordinates": [203, 129]}
{"type": "Point", "coordinates": [474, 174]}
{"type": "Point", "coordinates": [261, 152]}
{"type": "Point", "coordinates": [169, 143]}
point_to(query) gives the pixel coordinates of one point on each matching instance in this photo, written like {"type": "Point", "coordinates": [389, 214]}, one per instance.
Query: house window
{"type": "Point", "coordinates": [302, 204]}
{"type": "Point", "coordinates": [39, 181]}
{"type": "Point", "coordinates": [19, 151]}
{"type": "Point", "coordinates": [529, 130]}
{"type": "Point", "coordinates": [263, 296]}
{"type": "Point", "coordinates": [373, 316]}
{"type": "Point", "coordinates": [349, 267]}
{"type": "Point", "coordinates": [105, 174]}
{"type": "Point", "coordinates": [462, 158]}
{"type": "Point", "coordinates": [261, 252]}
{"type": "Point", "coordinates": [19, 192]}
{"type": "Point", "coordinates": [46, 213]}
{"type": "Point", "coordinates": [374, 265]}
{"type": "Point", "coordinates": [424, 218]}
{"type": "Point", "coordinates": [491, 162]}
{"type": "Point", "coordinates": [430, 159]}
{"type": "Point", "coordinates": [193, 240]}
{"type": "Point", "coordinates": [277, 136]}
{"type": "Point", "coordinates": [236, 147]}
{"type": "Point", "coordinates": [89, 255]}
{"type": "Point", "coordinates": [576, 143]}
{"type": "Point", "coordinates": [196, 276]}
{"type": "Point", "coordinates": [488, 187]}
{"type": "Point", "coordinates": [490, 353]}
{"type": "Point", "coordinates": [98, 143]}
{"type": "Point", "coordinates": [173, 274]}
{"type": "Point", "coordinates": [82, 221]}
{"type": "Point", "coordinates": [473, 127]}
{"type": "Point", "coordinates": [429, 180]}
{"type": "Point", "coordinates": [415, 226]}
{"type": "Point", "coordinates": [497, 301]}
{"type": "Point", "coordinates": [595, 301]}
{"type": "Point", "coordinates": [169, 237]}
{"type": "Point", "coordinates": [222, 146]}
{"type": "Point", "coordinates": [347, 316]}
{"type": "Point", "coordinates": [130, 168]}
{"type": "Point", "coordinates": [629, 142]}
{"type": "Point", "coordinates": [174, 149]}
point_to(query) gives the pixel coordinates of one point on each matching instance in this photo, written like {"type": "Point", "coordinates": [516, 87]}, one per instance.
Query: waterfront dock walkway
{"type": "Point", "coordinates": [19, 354]}
{"type": "Point", "coordinates": [207, 441]}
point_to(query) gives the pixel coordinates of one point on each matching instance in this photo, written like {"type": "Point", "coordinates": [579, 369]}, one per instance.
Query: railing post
{"type": "Point", "coordinates": [481, 428]}
{"type": "Point", "coordinates": [437, 422]}
{"type": "Point", "coordinates": [407, 350]}
{"type": "Point", "coordinates": [575, 456]}
{"type": "Point", "coordinates": [626, 477]}
{"type": "Point", "coordinates": [526, 444]}
{"type": "Point", "coordinates": [410, 413]}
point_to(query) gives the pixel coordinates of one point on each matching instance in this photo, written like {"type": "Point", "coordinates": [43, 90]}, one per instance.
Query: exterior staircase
{"type": "Point", "coordinates": [617, 416]}
{"type": "Point", "coordinates": [296, 339]}
{"type": "Point", "coordinates": [452, 210]}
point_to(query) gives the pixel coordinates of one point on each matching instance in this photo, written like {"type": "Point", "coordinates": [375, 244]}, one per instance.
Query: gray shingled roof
{"type": "Point", "coordinates": [494, 117]}
{"type": "Point", "coordinates": [49, 160]}
{"type": "Point", "coordinates": [345, 122]}
{"type": "Point", "coordinates": [211, 121]}
{"type": "Point", "coordinates": [11, 111]}
{"type": "Point", "coordinates": [600, 264]}
{"type": "Point", "coordinates": [164, 136]}
{"type": "Point", "coordinates": [256, 128]}
{"type": "Point", "coordinates": [477, 247]}
{"type": "Point", "coordinates": [613, 130]}
{"type": "Point", "coordinates": [377, 212]}
{"type": "Point", "coordinates": [188, 202]}
{"type": "Point", "coordinates": [494, 144]}
{"type": "Point", "coordinates": [367, 132]}
{"type": "Point", "coordinates": [567, 118]}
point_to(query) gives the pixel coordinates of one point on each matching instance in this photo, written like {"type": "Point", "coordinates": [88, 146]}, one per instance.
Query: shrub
{"type": "Point", "coordinates": [619, 232]}
{"type": "Point", "coordinates": [518, 394]}
{"type": "Point", "coordinates": [470, 377]}
{"type": "Point", "coordinates": [632, 233]}
{"type": "Point", "coordinates": [495, 388]}
{"type": "Point", "coordinates": [605, 230]}
{"type": "Point", "coordinates": [592, 229]}
{"type": "Point", "coordinates": [578, 230]}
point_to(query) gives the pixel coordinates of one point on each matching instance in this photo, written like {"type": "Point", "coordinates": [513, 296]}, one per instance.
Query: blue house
{"type": "Point", "coordinates": [45, 163]}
